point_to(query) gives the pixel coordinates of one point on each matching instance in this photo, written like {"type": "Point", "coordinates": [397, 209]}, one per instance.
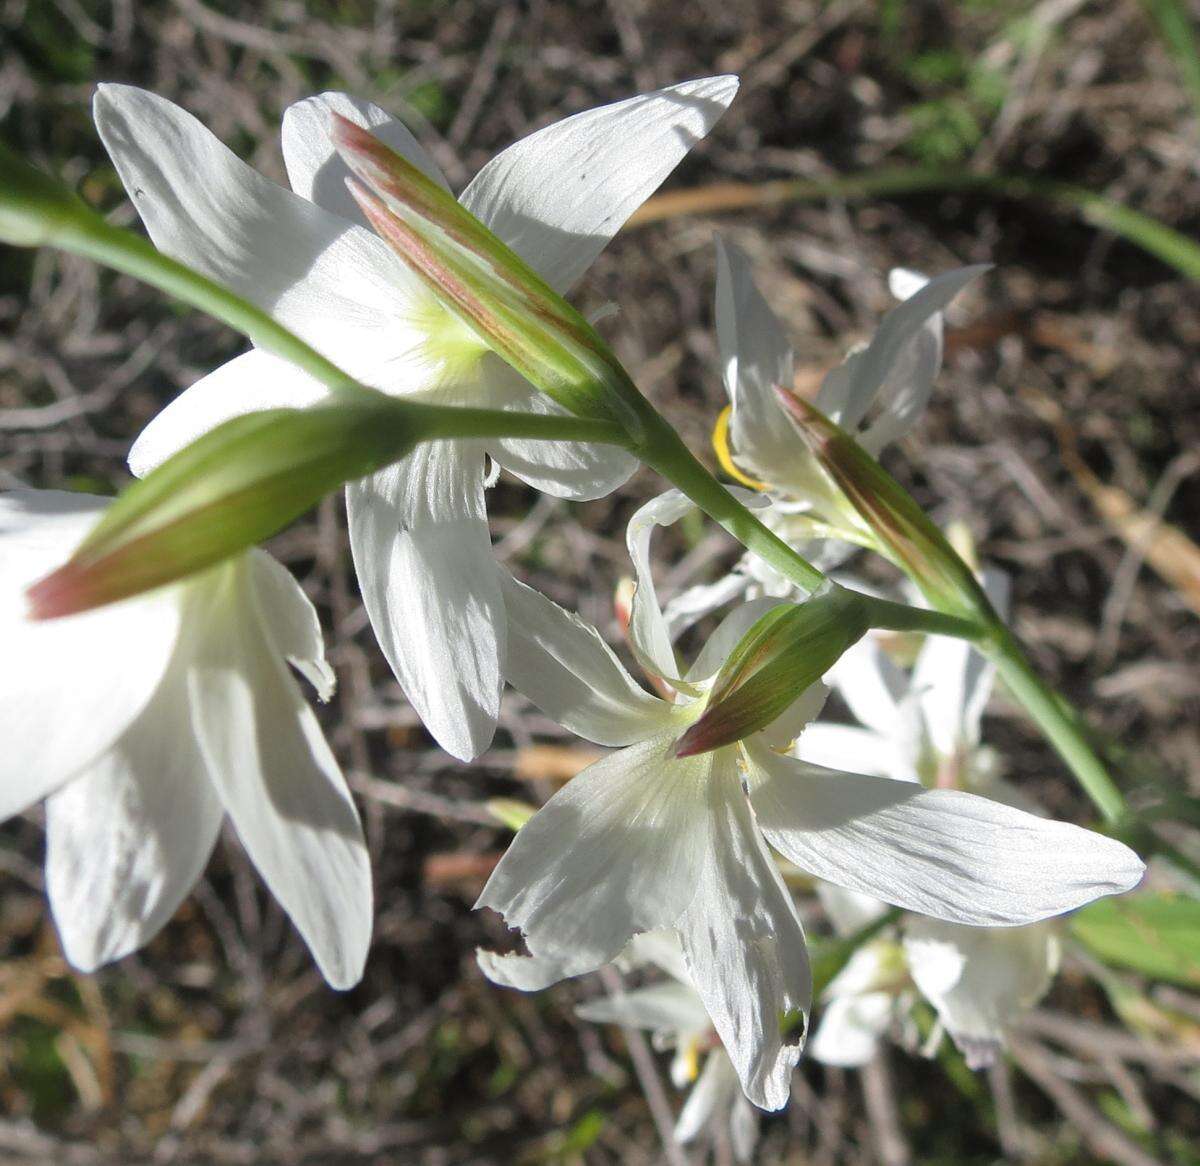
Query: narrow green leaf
{"type": "Point", "coordinates": [1156, 238]}
{"type": "Point", "coordinates": [1155, 933]}
{"type": "Point", "coordinates": [1177, 27]}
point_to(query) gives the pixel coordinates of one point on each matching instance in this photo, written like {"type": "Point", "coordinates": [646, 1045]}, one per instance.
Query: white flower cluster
{"type": "Point", "coordinates": [145, 723]}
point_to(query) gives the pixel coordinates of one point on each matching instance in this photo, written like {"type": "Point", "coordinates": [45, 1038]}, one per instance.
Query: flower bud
{"type": "Point", "coordinates": [230, 489]}
{"type": "Point", "coordinates": [903, 530]}
{"type": "Point", "coordinates": [785, 652]}
{"type": "Point", "coordinates": [484, 283]}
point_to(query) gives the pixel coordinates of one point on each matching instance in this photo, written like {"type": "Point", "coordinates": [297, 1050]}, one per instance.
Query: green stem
{"type": "Point", "coordinates": [37, 210]}
{"type": "Point", "coordinates": [899, 617]}
{"type": "Point", "coordinates": [1059, 721]}
{"type": "Point", "coordinates": [664, 451]}
{"type": "Point", "coordinates": [912, 541]}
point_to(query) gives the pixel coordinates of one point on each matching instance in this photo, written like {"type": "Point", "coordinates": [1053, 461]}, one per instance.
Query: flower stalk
{"type": "Point", "coordinates": [35, 210]}
{"type": "Point", "coordinates": [932, 563]}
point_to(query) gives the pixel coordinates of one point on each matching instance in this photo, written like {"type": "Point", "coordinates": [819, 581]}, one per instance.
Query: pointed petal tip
{"type": "Point", "coordinates": [107, 91]}
{"type": "Point", "coordinates": [725, 84]}
{"type": "Point", "coordinates": [83, 956]}
{"type": "Point", "coordinates": [342, 979]}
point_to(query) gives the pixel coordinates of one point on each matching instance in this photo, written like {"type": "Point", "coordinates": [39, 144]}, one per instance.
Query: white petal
{"type": "Point", "coordinates": [872, 685]}
{"type": "Point", "coordinates": [953, 681]}
{"type": "Point", "coordinates": [872, 966]}
{"type": "Point", "coordinates": [279, 781]}
{"type": "Point", "coordinates": [980, 979]}
{"type": "Point", "coordinates": [745, 944]}
{"type": "Point", "coordinates": [127, 839]}
{"type": "Point", "coordinates": [943, 853]}
{"type": "Point", "coordinates": [663, 950]}
{"type": "Point", "coordinates": [335, 284]}
{"type": "Point", "coordinates": [419, 535]}
{"type": "Point", "coordinates": [670, 1008]}
{"type": "Point", "coordinates": [849, 747]}
{"type": "Point", "coordinates": [616, 851]}
{"type": "Point", "coordinates": [848, 1032]}
{"type": "Point", "coordinates": [743, 1129]}
{"type": "Point", "coordinates": [87, 676]}
{"type": "Point", "coordinates": [897, 368]}
{"type": "Point", "coordinates": [904, 284]}
{"type": "Point", "coordinates": [690, 606]}
{"type": "Point", "coordinates": [291, 621]}
{"type": "Point", "coordinates": [755, 357]}
{"type": "Point", "coordinates": [711, 1097]}
{"type": "Point", "coordinates": [794, 721]}
{"type": "Point", "coordinates": [526, 973]}
{"type": "Point", "coordinates": [649, 635]}
{"type": "Point", "coordinates": [248, 383]}
{"type": "Point", "coordinates": [316, 170]}
{"type": "Point", "coordinates": [950, 676]}
{"type": "Point", "coordinates": [848, 911]}
{"type": "Point", "coordinates": [577, 470]}
{"type": "Point", "coordinates": [564, 666]}
{"type": "Point", "coordinates": [559, 195]}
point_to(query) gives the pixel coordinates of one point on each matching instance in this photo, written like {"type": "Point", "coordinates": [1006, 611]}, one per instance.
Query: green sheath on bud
{"type": "Point", "coordinates": [903, 529]}
{"type": "Point", "coordinates": [789, 649]}
{"type": "Point", "coordinates": [230, 489]}
{"type": "Point", "coordinates": [483, 282]}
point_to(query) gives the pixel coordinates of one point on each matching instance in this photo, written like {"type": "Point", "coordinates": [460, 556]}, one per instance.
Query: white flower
{"type": "Point", "coordinates": [146, 722]}
{"type": "Point", "coordinates": [418, 530]}
{"type": "Point", "coordinates": [980, 979]}
{"type": "Point", "coordinates": [878, 394]}
{"type": "Point", "coordinates": [675, 1014]}
{"type": "Point", "coordinates": [860, 1002]}
{"type": "Point", "coordinates": [642, 840]}
{"type": "Point", "coordinates": [925, 727]}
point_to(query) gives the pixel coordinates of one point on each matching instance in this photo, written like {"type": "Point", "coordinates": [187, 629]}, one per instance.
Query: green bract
{"type": "Point", "coordinates": [786, 651]}
{"type": "Point", "coordinates": [483, 282]}
{"type": "Point", "coordinates": [904, 531]}
{"type": "Point", "coordinates": [228, 490]}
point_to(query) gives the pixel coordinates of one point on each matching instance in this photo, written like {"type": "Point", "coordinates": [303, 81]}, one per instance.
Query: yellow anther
{"type": "Point", "coordinates": [720, 444]}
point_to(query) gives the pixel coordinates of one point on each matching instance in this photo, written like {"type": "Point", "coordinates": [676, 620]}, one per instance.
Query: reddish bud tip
{"type": "Point", "coordinates": [813, 426]}
{"type": "Point", "coordinates": [63, 592]}
{"type": "Point", "coordinates": [348, 135]}
{"type": "Point", "coordinates": [694, 741]}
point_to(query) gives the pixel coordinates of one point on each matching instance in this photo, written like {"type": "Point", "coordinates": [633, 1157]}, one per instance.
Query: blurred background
{"type": "Point", "coordinates": [1064, 433]}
